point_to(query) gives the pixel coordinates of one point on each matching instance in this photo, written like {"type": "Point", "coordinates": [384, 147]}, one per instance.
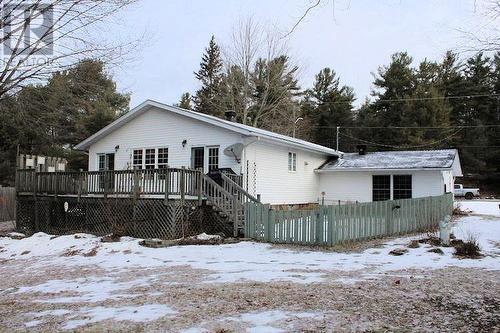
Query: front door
{"type": "Point", "coordinates": [198, 158]}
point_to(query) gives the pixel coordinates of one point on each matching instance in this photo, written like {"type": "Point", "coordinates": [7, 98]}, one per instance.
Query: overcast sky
{"type": "Point", "coordinates": [352, 37]}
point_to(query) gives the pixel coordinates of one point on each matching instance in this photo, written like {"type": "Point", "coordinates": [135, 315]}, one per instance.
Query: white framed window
{"type": "Point", "coordinates": [150, 158]}
{"type": "Point", "coordinates": [402, 187]}
{"type": "Point", "coordinates": [292, 162]}
{"type": "Point", "coordinates": [102, 162]}
{"type": "Point", "coordinates": [213, 158]}
{"type": "Point", "coordinates": [162, 158]}
{"type": "Point", "coordinates": [137, 161]}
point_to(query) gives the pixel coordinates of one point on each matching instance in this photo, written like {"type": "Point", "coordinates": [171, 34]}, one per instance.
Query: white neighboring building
{"type": "Point", "coordinates": [282, 169]}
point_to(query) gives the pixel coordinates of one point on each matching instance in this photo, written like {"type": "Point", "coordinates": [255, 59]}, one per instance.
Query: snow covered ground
{"type": "Point", "coordinates": [76, 282]}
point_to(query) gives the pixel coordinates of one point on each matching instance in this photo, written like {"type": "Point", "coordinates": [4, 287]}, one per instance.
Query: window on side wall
{"type": "Point", "coordinates": [381, 187]}
{"type": "Point", "coordinates": [213, 158]}
{"type": "Point", "coordinates": [292, 161]}
{"type": "Point", "coordinates": [162, 158]}
{"type": "Point", "coordinates": [137, 159]}
{"type": "Point", "coordinates": [402, 188]}
{"type": "Point", "coordinates": [149, 158]}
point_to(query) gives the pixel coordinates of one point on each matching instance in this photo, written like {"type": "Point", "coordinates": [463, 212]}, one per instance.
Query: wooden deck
{"type": "Point", "coordinates": [226, 197]}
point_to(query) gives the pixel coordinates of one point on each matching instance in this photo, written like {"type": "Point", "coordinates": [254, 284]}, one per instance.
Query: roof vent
{"type": "Point", "coordinates": [361, 149]}
{"type": "Point", "coordinates": [230, 115]}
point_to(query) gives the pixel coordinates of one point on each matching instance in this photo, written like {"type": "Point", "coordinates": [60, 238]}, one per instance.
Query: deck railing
{"type": "Point", "coordinates": [166, 181]}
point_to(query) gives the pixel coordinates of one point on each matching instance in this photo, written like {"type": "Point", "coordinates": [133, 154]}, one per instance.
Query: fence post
{"type": "Point", "coordinates": [317, 227]}
{"type": "Point", "coordinates": [269, 226]}
{"type": "Point", "coordinates": [35, 176]}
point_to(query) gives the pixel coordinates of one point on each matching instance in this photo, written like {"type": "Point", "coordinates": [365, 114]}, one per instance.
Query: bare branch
{"type": "Point", "coordinates": [302, 18]}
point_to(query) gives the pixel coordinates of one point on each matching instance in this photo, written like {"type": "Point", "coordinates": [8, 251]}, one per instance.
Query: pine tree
{"type": "Point", "coordinates": [185, 102]}
{"type": "Point", "coordinates": [331, 105]}
{"type": "Point", "coordinates": [208, 98]}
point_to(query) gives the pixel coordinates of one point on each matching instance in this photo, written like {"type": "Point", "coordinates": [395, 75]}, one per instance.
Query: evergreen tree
{"type": "Point", "coordinates": [49, 119]}
{"type": "Point", "coordinates": [274, 86]}
{"type": "Point", "coordinates": [185, 102]}
{"type": "Point", "coordinates": [330, 105]}
{"type": "Point", "coordinates": [208, 98]}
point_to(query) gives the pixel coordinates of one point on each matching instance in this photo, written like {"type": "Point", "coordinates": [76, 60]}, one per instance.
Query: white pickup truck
{"type": "Point", "coordinates": [468, 193]}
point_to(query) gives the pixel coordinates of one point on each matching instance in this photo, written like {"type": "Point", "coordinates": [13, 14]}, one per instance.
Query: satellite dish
{"type": "Point", "coordinates": [234, 151]}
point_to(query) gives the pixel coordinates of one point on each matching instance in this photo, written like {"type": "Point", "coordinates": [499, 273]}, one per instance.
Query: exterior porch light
{"type": "Point", "coordinates": [184, 142]}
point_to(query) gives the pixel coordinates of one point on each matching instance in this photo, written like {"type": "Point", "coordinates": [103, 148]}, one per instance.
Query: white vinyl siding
{"type": "Point", "coordinates": [268, 174]}
{"type": "Point", "coordinates": [355, 186]}
{"type": "Point", "coordinates": [157, 129]}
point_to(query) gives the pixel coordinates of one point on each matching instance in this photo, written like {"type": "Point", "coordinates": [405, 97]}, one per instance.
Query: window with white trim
{"type": "Point", "coordinates": [137, 159]}
{"type": "Point", "coordinates": [102, 162]}
{"type": "Point", "coordinates": [381, 187]}
{"type": "Point", "coordinates": [213, 158]}
{"type": "Point", "coordinates": [292, 161]}
{"type": "Point", "coordinates": [402, 188]}
{"type": "Point", "coordinates": [149, 158]}
{"type": "Point", "coordinates": [162, 158]}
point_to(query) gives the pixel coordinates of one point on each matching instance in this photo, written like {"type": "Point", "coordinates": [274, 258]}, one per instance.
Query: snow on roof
{"type": "Point", "coordinates": [423, 159]}
{"type": "Point", "coordinates": [233, 126]}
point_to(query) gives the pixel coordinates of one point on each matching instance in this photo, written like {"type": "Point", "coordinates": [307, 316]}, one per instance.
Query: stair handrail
{"type": "Point", "coordinates": [225, 201]}
{"type": "Point", "coordinates": [232, 187]}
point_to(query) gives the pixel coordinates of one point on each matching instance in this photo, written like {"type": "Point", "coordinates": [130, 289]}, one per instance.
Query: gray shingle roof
{"type": "Point", "coordinates": [423, 159]}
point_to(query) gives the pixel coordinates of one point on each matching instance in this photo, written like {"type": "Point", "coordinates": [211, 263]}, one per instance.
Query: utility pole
{"type": "Point", "coordinates": [337, 141]}
{"type": "Point", "coordinates": [295, 124]}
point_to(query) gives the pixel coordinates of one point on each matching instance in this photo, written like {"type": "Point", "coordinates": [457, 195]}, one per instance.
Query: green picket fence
{"type": "Point", "coordinates": [329, 225]}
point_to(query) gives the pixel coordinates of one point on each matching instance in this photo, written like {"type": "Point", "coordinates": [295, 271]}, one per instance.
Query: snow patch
{"type": "Point", "coordinates": [480, 207]}
{"type": "Point", "coordinates": [140, 313]}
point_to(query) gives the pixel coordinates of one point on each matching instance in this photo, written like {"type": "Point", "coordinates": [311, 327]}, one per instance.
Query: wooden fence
{"type": "Point", "coordinates": [7, 204]}
{"type": "Point", "coordinates": [329, 225]}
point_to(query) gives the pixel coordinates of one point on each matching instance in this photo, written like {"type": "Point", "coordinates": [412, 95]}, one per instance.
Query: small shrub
{"type": "Point", "coordinates": [414, 244]}
{"type": "Point", "coordinates": [398, 252]}
{"type": "Point", "coordinates": [468, 249]}
{"type": "Point", "coordinates": [436, 250]}
{"type": "Point", "coordinates": [457, 211]}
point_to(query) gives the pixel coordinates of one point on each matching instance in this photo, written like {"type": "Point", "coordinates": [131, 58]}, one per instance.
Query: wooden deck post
{"type": "Point", "coordinates": [80, 185]}
{"type": "Point", "coordinates": [136, 190]}
{"type": "Point", "coordinates": [167, 184]}
{"type": "Point", "coordinates": [183, 185]}
{"type": "Point", "coordinates": [199, 184]}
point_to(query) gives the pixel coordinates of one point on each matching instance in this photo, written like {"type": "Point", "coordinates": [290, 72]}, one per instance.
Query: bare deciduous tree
{"type": "Point", "coordinates": [259, 69]}
{"type": "Point", "coordinates": [41, 37]}
{"type": "Point", "coordinates": [486, 37]}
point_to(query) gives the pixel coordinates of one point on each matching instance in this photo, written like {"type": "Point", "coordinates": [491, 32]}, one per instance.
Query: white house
{"type": "Point", "coordinates": [282, 169]}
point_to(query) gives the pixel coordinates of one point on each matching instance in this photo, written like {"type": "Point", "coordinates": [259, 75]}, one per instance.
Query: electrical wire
{"type": "Point", "coordinates": [402, 147]}
{"type": "Point", "coordinates": [414, 99]}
